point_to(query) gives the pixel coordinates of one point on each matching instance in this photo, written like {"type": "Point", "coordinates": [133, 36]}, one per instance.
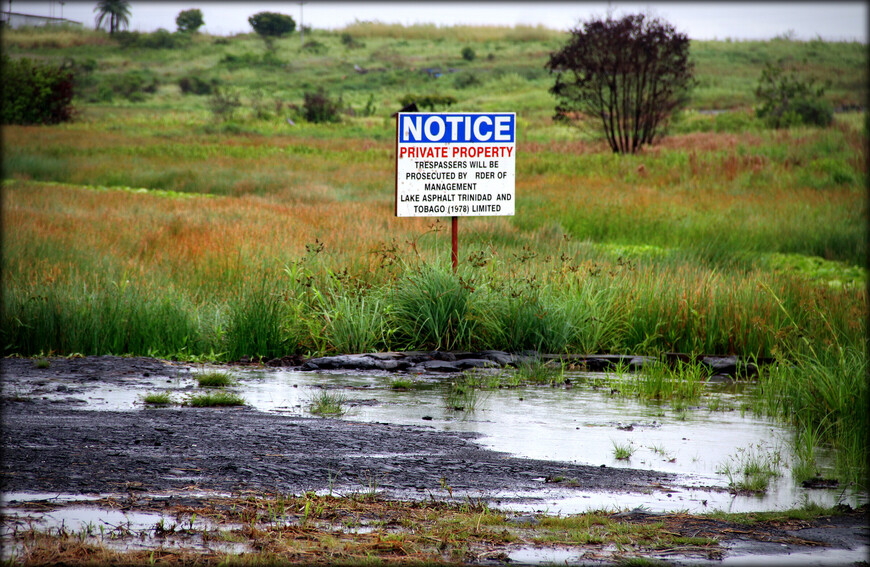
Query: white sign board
{"type": "Point", "coordinates": [458, 164]}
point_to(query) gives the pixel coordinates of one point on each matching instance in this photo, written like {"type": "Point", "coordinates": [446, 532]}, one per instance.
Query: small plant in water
{"type": "Point", "coordinates": [622, 452]}
{"type": "Point", "coordinates": [752, 468]}
{"type": "Point", "coordinates": [214, 399]}
{"type": "Point", "coordinates": [214, 379]}
{"type": "Point", "coordinates": [537, 371]}
{"type": "Point", "coordinates": [42, 363]}
{"type": "Point", "coordinates": [157, 399]}
{"type": "Point", "coordinates": [461, 395]}
{"type": "Point", "coordinates": [327, 404]}
{"type": "Point", "coordinates": [401, 384]}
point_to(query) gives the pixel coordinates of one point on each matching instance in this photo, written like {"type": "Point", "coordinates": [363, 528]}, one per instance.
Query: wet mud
{"type": "Point", "coordinates": [51, 446]}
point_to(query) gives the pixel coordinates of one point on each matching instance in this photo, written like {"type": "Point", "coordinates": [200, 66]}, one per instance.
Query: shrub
{"type": "Point", "coordinates": [318, 107]}
{"type": "Point", "coordinates": [640, 61]}
{"type": "Point", "coordinates": [466, 80]}
{"type": "Point", "coordinates": [351, 42]}
{"type": "Point", "coordinates": [132, 86]}
{"type": "Point", "coordinates": [788, 99]}
{"type": "Point", "coordinates": [268, 59]}
{"type": "Point", "coordinates": [223, 103]}
{"type": "Point", "coordinates": [197, 85]}
{"type": "Point", "coordinates": [427, 101]}
{"type": "Point", "coordinates": [189, 20]}
{"type": "Point", "coordinates": [271, 25]}
{"type": "Point", "coordinates": [35, 93]}
{"type": "Point", "coordinates": [315, 47]}
{"type": "Point", "coordinates": [159, 39]}
{"type": "Point", "coordinates": [468, 53]}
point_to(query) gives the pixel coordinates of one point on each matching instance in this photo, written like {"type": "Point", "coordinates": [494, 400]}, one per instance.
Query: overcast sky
{"type": "Point", "coordinates": [839, 21]}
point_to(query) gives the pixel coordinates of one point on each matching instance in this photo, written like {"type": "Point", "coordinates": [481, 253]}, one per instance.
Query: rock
{"type": "Point", "coordinates": [638, 362]}
{"type": "Point", "coordinates": [436, 366]}
{"type": "Point", "coordinates": [721, 364]}
{"type": "Point", "coordinates": [499, 357]}
{"type": "Point", "coordinates": [468, 363]}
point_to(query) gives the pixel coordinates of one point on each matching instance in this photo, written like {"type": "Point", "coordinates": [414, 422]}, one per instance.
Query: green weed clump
{"type": "Point", "coordinates": [622, 451]}
{"type": "Point", "coordinates": [214, 379]}
{"type": "Point", "coordinates": [432, 309]}
{"type": "Point", "coordinates": [534, 370]}
{"type": "Point", "coordinates": [220, 398]}
{"type": "Point", "coordinates": [327, 404]}
{"type": "Point", "coordinates": [752, 468]}
{"type": "Point", "coordinates": [462, 395]}
{"type": "Point", "coordinates": [660, 381]}
{"type": "Point", "coordinates": [120, 318]}
{"type": "Point", "coordinates": [157, 399]}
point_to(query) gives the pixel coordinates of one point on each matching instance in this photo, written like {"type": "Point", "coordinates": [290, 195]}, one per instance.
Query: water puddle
{"type": "Point", "coordinates": [122, 530]}
{"type": "Point", "coordinates": [812, 558]}
{"type": "Point", "coordinates": [531, 555]}
{"type": "Point", "coordinates": [578, 425]}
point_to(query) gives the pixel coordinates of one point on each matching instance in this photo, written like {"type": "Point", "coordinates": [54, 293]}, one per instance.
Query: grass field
{"type": "Point", "coordinates": [151, 225]}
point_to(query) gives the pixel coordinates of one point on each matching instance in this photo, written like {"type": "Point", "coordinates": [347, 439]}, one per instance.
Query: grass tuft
{"type": "Point", "coordinates": [214, 379]}
{"type": "Point", "coordinates": [327, 404]}
{"type": "Point", "coordinates": [622, 451]}
{"type": "Point", "coordinates": [157, 399]}
{"type": "Point", "coordinates": [752, 468]}
{"type": "Point", "coordinates": [216, 399]}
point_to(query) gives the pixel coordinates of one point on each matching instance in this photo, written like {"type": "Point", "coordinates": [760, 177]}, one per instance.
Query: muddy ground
{"type": "Point", "coordinates": [50, 446]}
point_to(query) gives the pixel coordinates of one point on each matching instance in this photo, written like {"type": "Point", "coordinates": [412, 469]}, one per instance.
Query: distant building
{"type": "Point", "coordinates": [15, 20]}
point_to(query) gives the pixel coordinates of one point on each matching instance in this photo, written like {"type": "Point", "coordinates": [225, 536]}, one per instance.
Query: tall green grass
{"type": "Point", "coordinates": [116, 319]}
{"type": "Point", "coordinates": [258, 325]}
{"type": "Point", "coordinates": [824, 393]}
{"type": "Point", "coordinates": [660, 381]}
{"type": "Point", "coordinates": [431, 308]}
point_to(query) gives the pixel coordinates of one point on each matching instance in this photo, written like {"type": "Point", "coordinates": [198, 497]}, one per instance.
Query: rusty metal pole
{"type": "Point", "coordinates": [454, 241]}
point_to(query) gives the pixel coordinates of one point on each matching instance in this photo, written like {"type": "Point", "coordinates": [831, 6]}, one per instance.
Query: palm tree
{"type": "Point", "coordinates": [116, 12]}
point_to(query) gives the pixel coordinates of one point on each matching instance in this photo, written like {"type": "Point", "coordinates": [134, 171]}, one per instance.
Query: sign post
{"type": "Point", "coordinates": [455, 164]}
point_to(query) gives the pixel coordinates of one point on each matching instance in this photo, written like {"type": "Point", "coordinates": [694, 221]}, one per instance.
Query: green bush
{"type": "Point", "coordinates": [318, 107]}
{"type": "Point", "coordinates": [427, 101]}
{"type": "Point", "coordinates": [159, 39]}
{"type": "Point", "coordinates": [271, 25]}
{"type": "Point", "coordinates": [315, 47]}
{"type": "Point", "coordinates": [788, 99]}
{"type": "Point", "coordinates": [35, 93]}
{"type": "Point", "coordinates": [468, 53]}
{"type": "Point", "coordinates": [466, 80]}
{"type": "Point", "coordinates": [189, 20]}
{"type": "Point", "coordinates": [197, 85]}
{"type": "Point", "coordinates": [223, 103]}
{"type": "Point", "coordinates": [351, 42]}
{"type": "Point", "coordinates": [133, 86]}
{"type": "Point", "coordinates": [267, 59]}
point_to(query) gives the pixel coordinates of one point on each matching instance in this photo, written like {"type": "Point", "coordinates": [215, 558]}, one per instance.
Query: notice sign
{"type": "Point", "coordinates": [455, 164]}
